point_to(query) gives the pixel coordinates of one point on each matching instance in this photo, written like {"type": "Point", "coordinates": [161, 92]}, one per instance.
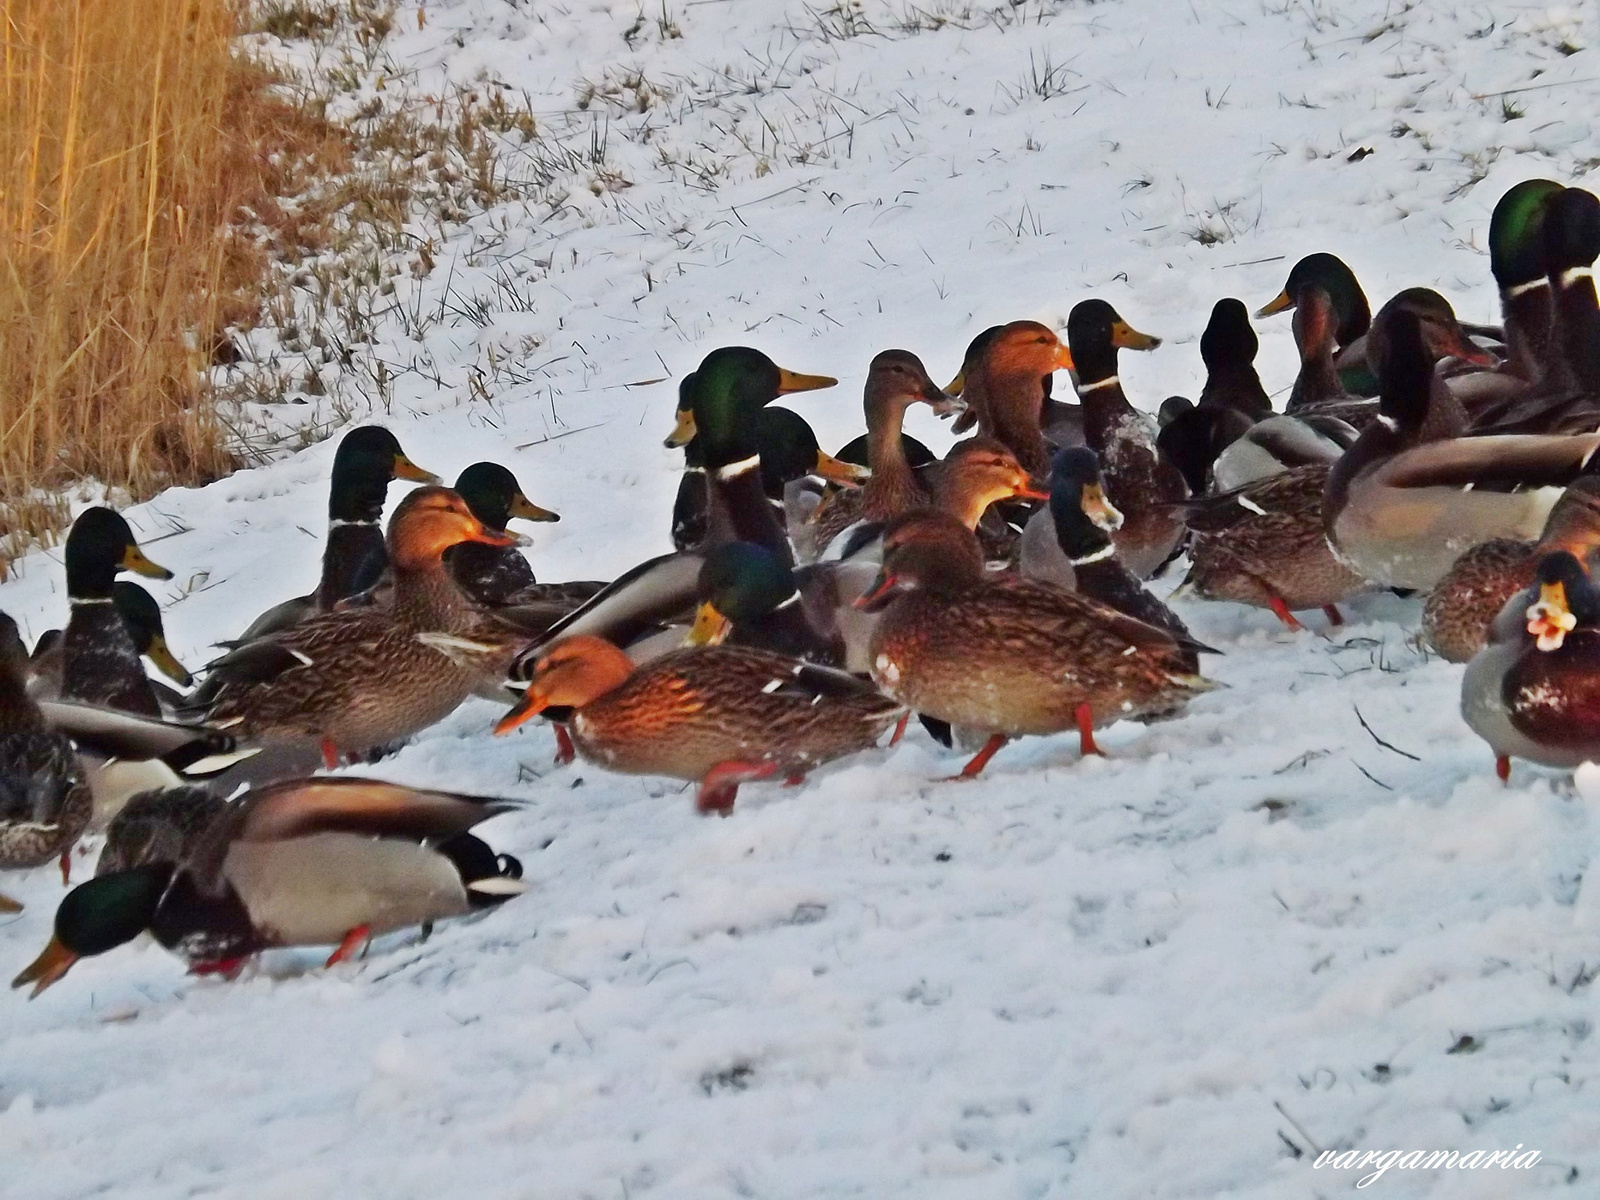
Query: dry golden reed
{"type": "Point", "coordinates": [137, 154]}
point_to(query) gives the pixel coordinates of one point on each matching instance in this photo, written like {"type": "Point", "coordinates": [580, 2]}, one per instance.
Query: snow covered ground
{"type": "Point", "coordinates": [1251, 934]}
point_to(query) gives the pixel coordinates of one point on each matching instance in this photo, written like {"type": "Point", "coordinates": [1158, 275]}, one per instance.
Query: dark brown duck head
{"type": "Point", "coordinates": [1442, 334]}
{"type": "Point", "coordinates": [431, 520]}
{"type": "Point", "coordinates": [979, 472]}
{"type": "Point", "coordinates": [570, 674]}
{"type": "Point", "coordinates": [924, 550]}
{"type": "Point", "coordinates": [896, 379]}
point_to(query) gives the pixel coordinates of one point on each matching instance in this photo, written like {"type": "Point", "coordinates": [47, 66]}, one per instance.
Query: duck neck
{"type": "Point", "coordinates": [426, 598]}
{"type": "Point", "coordinates": [351, 561]}
{"type": "Point", "coordinates": [892, 481]}
{"type": "Point", "coordinates": [1014, 400]}
{"type": "Point", "coordinates": [1527, 309]}
{"type": "Point", "coordinates": [1577, 318]}
{"type": "Point", "coordinates": [1318, 380]}
{"type": "Point", "coordinates": [740, 510]}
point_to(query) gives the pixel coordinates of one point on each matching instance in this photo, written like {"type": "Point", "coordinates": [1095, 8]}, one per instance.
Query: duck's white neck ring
{"type": "Point", "coordinates": [343, 522]}
{"type": "Point", "coordinates": [734, 469]}
{"type": "Point", "coordinates": [1572, 274]}
{"type": "Point", "coordinates": [1521, 289]}
{"type": "Point", "coordinates": [1108, 381]}
{"type": "Point", "coordinates": [76, 601]}
{"type": "Point", "coordinates": [1099, 555]}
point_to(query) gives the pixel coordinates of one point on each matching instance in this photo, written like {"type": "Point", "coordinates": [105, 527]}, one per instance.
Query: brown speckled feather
{"type": "Point", "coordinates": [1015, 656]}
{"type": "Point", "coordinates": [1459, 610]}
{"type": "Point", "coordinates": [1247, 556]}
{"type": "Point", "coordinates": [684, 713]}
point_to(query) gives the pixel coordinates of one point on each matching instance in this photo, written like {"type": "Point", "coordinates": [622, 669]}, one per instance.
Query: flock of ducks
{"type": "Point", "coordinates": [813, 603]}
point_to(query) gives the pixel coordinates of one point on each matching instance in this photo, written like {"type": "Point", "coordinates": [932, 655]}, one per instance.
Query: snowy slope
{"type": "Point", "coordinates": [1251, 934]}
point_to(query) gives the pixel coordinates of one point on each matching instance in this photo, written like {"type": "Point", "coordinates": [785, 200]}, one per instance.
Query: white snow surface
{"type": "Point", "coordinates": [1250, 934]}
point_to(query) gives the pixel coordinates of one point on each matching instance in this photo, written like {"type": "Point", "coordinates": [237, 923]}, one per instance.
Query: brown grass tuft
{"type": "Point", "coordinates": [140, 164]}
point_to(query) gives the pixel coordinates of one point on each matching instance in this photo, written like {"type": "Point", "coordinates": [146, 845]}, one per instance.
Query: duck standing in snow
{"type": "Point", "coordinates": [99, 657]}
{"type": "Point", "coordinates": [354, 680]}
{"type": "Point", "coordinates": [1010, 656]}
{"type": "Point", "coordinates": [717, 716]}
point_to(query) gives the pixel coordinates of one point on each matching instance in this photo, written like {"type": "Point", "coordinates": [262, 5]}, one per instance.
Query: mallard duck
{"type": "Point", "coordinates": [1069, 544]}
{"type": "Point", "coordinates": [1399, 510]}
{"type": "Point", "coordinates": [1193, 435]}
{"type": "Point", "coordinates": [1566, 399]}
{"type": "Point", "coordinates": [1263, 545]}
{"type": "Point", "coordinates": [792, 465]}
{"type": "Point", "coordinates": [45, 802]}
{"type": "Point", "coordinates": [303, 862]}
{"type": "Point", "coordinates": [726, 394]}
{"type": "Point", "coordinates": [142, 616]}
{"type": "Point", "coordinates": [99, 658]}
{"type": "Point", "coordinates": [715, 715]}
{"type": "Point", "coordinates": [1006, 655]}
{"type": "Point", "coordinates": [493, 575]}
{"type": "Point", "coordinates": [1458, 612]}
{"type": "Point", "coordinates": [1331, 275]}
{"type": "Point", "coordinates": [1002, 385]}
{"type": "Point", "coordinates": [896, 380]}
{"type": "Point", "coordinates": [368, 460]}
{"type": "Point", "coordinates": [354, 680]}
{"type": "Point", "coordinates": [1530, 692]}
{"type": "Point", "coordinates": [1142, 485]}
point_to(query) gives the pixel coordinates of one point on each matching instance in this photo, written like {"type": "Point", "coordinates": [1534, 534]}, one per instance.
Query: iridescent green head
{"type": "Point", "coordinates": [729, 389]}
{"type": "Point", "coordinates": [1516, 232]}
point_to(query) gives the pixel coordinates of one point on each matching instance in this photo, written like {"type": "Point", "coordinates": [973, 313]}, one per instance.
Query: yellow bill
{"type": "Point", "coordinates": [167, 663]}
{"type": "Point", "coordinates": [522, 507]}
{"type": "Point", "coordinates": [1276, 305]}
{"type": "Point", "coordinates": [836, 470]}
{"type": "Point", "coordinates": [1100, 510]}
{"type": "Point", "coordinates": [48, 968]}
{"type": "Point", "coordinates": [1126, 337]}
{"type": "Point", "coordinates": [710, 627]}
{"type": "Point", "coordinates": [682, 432]}
{"type": "Point", "coordinates": [793, 381]}
{"type": "Point", "coordinates": [404, 468]}
{"type": "Point", "coordinates": [133, 559]}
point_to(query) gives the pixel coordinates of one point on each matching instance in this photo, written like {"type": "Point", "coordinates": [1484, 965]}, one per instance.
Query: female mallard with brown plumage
{"type": "Point", "coordinates": [45, 802]}
{"type": "Point", "coordinates": [896, 380]}
{"type": "Point", "coordinates": [305, 862]}
{"type": "Point", "coordinates": [1458, 612]}
{"type": "Point", "coordinates": [359, 679]}
{"type": "Point", "coordinates": [1009, 656]}
{"type": "Point", "coordinates": [718, 716]}
{"type": "Point", "coordinates": [367, 461]}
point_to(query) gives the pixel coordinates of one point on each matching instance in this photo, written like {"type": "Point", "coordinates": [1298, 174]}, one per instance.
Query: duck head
{"type": "Point", "coordinates": [368, 460]}
{"type": "Point", "coordinates": [727, 390]}
{"type": "Point", "coordinates": [1516, 233]}
{"type": "Point", "coordinates": [979, 472]}
{"type": "Point", "coordinates": [431, 520]}
{"type": "Point", "coordinates": [924, 550]}
{"type": "Point", "coordinates": [496, 498]}
{"type": "Point", "coordinates": [142, 615]}
{"type": "Point", "coordinates": [1334, 276]}
{"type": "Point", "coordinates": [571, 673]}
{"type": "Point", "coordinates": [1095, 332]}
{"type": "Point", "coordinates": [739, 582]}
{"type": "Point", "coordinates": [100, 545]}
{"type": "Point", "coordinates": [789, 451]}
{"type": "Point", "coordinates": [100, 915]}
{"type": "Point", "coordinates": [1442, 335]}
{"type": "Point", "coordinates": [1229, 342]}
{"type": "Point", "coordinates": [1084, 518]}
